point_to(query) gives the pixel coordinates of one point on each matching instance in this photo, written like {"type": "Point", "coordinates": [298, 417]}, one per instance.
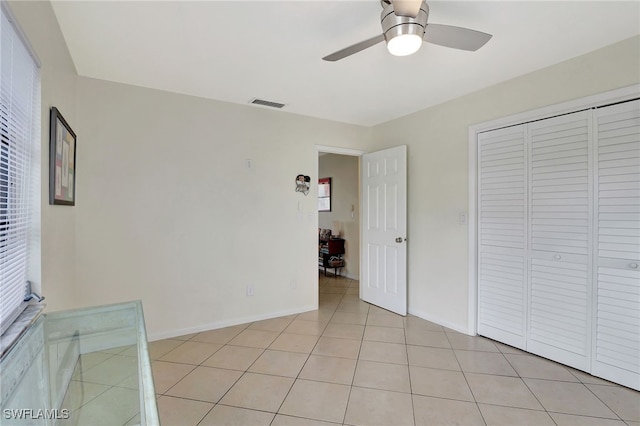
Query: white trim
{"type": "Point", "coordinates": [600, 99]}
{"type": "Point", "coordinates": [227, 323]}
{"type": "Point", "coordinates": [338, 150]}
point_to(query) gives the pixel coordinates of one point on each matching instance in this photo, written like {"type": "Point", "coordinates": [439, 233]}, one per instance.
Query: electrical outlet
{"type": "Point", "coordinates": [249, 290]}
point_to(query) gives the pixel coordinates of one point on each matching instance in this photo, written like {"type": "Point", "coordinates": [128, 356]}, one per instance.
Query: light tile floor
{"type": "Point", "coordinates": [353, 363]}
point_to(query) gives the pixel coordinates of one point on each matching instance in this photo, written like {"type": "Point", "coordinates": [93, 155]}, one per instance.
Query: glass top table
{"type": "Point", "coordinates": [81, 367]}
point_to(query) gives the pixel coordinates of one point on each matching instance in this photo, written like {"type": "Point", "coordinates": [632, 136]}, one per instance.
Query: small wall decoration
{"type": "Point", "coordinates": [324, 194]}
{"type": "Point", "coordinates": [62, 161]}
{"type": "Point", "coordinates": [303, 183]}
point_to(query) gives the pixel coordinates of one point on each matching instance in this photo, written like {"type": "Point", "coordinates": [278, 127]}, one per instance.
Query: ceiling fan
{"type": "Point", "coordinates": [404, 27]}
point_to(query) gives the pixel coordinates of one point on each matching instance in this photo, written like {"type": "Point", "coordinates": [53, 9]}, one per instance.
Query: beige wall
{"type": "Point", "coordinates": [169, 212]}
{"type": "Point", "coordinates": [437, 140]}
{"type": "Point", "coordinates": [54, 275]}
{"type": "Point", "coordinates": [344, 172]}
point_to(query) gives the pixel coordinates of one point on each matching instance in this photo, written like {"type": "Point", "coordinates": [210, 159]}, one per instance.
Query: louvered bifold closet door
{"type": "Point", "coordinates": [560, 205]}
{"type": "Point", "coordinates": [502, 209]}
{"type": "Point", "coordinates": [617, 300]}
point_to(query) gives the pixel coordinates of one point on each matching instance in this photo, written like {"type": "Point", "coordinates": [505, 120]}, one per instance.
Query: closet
{"type": "Point", "coordinates": [558, 241]}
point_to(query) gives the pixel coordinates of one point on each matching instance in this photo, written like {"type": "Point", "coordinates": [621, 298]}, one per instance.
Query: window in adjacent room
{"type": "Point", "coordinates": [324, 195]}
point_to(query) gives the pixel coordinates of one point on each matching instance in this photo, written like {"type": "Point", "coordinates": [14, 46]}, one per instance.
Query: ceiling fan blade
{"type": "Point", "coordinates": [348, 51]}
{"type": "Point", "coordinates": [455, 37]}
{"type": "Point", "coordinates": [408, 8]}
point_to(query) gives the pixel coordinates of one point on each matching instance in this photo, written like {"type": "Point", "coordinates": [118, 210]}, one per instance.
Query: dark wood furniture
{"type": "Point", "coordinates": [330, 254]}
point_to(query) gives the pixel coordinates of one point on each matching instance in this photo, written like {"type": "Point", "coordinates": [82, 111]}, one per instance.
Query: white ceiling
{"type": "Point", "coordinates": [239, 50]}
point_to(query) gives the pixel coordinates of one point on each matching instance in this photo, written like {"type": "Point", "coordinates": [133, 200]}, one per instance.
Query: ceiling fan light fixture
{"type": "Point", "coordinates": [404, 44]}
{"type": "Point", "coordinates": [403, 34]}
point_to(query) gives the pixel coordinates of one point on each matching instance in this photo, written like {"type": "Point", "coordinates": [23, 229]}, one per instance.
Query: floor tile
{"type": "Point", "coordinates": [317, 400]}
{"type": "Point", "coordinates": [99, 411]}
{"type": "Point", "coordinates": [485, 363]}
{"type": "Point", "coordinates": [436, 411]}
{"type": "Point", "coordinates": [80, 393]}
{"type": "Point", "coordinates": [384, 334]}
{"type": "Point", "coordinates": [258, 392]}
{"type": "Point", "coordinates": [319, 315]}
{"type": "Point", "coordinates": [349, 318]}
{"type": "Point", "coordinates": [295, 343]}
{"type": "Point", "coordinates": [384, 352]}
{"type": "Point", "coordinates": [353, 363]}
{"type": "Point", "coordinates": [312, 328]}
{"type": "Point", "coordinates": [573, 420]}
{"type": "Point", "coordinates": [441, 358]}
{"type": "Point", "coordinates": [535, 367]}
{"type": "Point", "coordinates": [379, 375]}
{"type": "Point", "coordinates": [181, 412]}
{"type": "Point", "coordinates": [220, 335]}
{"type": "Point", "coordinates": [343, 348]}
{"type": "Point", "coordinates": [587, 378]}
{"type": "Point", "coordinates": [89, 360]}
{"type": "Point", "coordinates": [344, 331]}
{"type": "Point", "coordinates": [357, 307]}
{"type": "Point", "coordinates": [234, 416]}
{"type": "Point", "coordinates": [162, 347]}
{"type": "Point", "coordinates": [191, 352]}
{"type": "Point", "coordinates": [624, 402]}
{"type": "Point", "coordinates": [568, 398]}
{"type": "Point", "coordinates": [470, 343]}
{"type": "Point", "coordinates": [385, 320]}
{"type": "Point", "coordinates": [279, 363]}
{"type": "Point", "coordinates": [501, 390]}
{"type": "Point", "coordinates": [507, 416]}
{"type": "Point", "coordinates": [282, 420]}
{"type": "Point", "coordinates": [185, 336]}
{"type": "Point", "coordinates": [421, 337]}
{"type": "Point", "coordinates": [112, 371]}
{"type": "Point", "coordinates": [233, 357]}
{"type": "Point", "coordinates": [167, 374]}
{"type": "Point", "coordinates": [440, 383]}
{"type": "Point", "coordinates": [254, 338]}
{"type": "Point", "coordinates": [329, 369]}
{"type": "Point", "coordinates": [273, 324]}
{"type": "Point", "coordinates": [205, 384]}
{"type": "Point", "coordinates": [373, 407]}
{"type": "Point", "coordinates": [411, 321]}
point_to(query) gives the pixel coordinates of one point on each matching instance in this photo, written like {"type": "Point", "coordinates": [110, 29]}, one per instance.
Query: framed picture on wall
{"type": "Point", "coordinates": [62, 161]}
{"type": "Point", "coordinates": [324, 194]}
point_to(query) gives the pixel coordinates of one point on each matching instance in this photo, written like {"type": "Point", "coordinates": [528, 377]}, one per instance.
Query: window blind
{"type": "Point", "coordinates": [19, 121]}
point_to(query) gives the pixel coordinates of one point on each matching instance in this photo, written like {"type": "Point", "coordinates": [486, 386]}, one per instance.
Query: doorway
{"type": "Point", "coordinates": [342, 219]}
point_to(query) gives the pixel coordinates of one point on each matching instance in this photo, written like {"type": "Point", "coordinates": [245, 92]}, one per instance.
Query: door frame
{"type": "Point", "coordinates": [601, 99]}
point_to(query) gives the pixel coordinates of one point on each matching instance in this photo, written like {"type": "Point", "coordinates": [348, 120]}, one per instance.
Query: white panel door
{"type": "Point", "coordinates": [617, 258]}
{"type": "Point", "coordinates": [560, 229]}
{"type": "Point", "coordinates": [502, 237]}
{"type": "Point", "coordinates": [384, 229]}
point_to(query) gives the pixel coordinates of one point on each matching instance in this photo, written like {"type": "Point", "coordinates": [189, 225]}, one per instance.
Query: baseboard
{"type": "Point", "coordinates": [227, 323]}
{"type": "Point", "coordinates": [425, 316]}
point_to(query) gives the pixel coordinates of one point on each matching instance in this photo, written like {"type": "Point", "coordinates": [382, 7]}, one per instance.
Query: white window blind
{"type": "Point", "coordinates": [19, 121]}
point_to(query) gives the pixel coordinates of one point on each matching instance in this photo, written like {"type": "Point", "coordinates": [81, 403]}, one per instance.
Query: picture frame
{"type": "Point", "coordinates": [324, 194]}
{"type": "Point", "coordinates": [62, 161]}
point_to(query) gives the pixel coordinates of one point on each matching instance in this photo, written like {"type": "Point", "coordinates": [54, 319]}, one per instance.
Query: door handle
{"type": "Point", "coordinates": [400, 239]}
{"type": "Point", "coordinates": [633, 265]}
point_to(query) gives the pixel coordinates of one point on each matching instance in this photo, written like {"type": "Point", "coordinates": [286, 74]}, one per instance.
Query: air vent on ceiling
{"type": "Point", "coordinates": [267, 103]}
